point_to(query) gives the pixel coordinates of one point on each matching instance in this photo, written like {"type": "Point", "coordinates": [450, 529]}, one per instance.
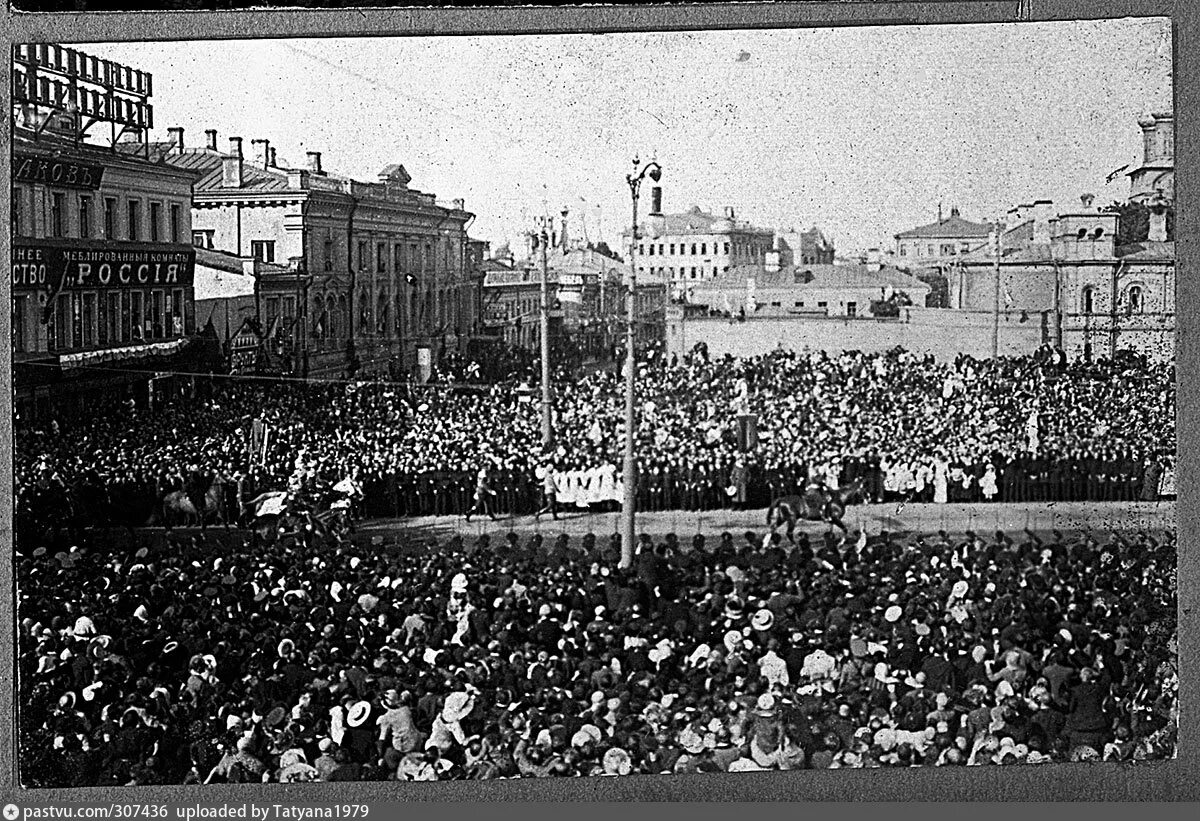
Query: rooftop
{"type": "Point", "coordinates": [952, 226]}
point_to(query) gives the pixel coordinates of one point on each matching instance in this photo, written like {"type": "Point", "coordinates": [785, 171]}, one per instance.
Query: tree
{"type": "Point", "coordinates": [891, 306]}
{"type": "Point", "coordinates": [1133, 222]}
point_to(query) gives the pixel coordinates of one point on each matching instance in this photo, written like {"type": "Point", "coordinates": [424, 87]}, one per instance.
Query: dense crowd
{"type": "Point", "coordinates": [318, 658]}
{"type": "Point", "coordinates": [1016, 429]}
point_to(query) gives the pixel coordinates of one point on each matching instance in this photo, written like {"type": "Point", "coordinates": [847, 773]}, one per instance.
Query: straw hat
{"type": "Point", "coordinates": [457, 707]}
{"type": "Point", "coordinates": [763, 620]}
{"type": "Point", "coordinates": [359, 711]}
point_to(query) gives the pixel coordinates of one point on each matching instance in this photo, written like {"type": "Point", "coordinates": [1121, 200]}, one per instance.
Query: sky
{"type": "Point", "coordinates": [860, 131]}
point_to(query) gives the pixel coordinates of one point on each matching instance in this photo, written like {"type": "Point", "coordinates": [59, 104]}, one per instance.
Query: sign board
{"type": "Point", "coordinates": [58, 172]}
{"type": "Point", "coordinates": [90, 266]}
{"type": "Point", "coordinates": [50, 76]}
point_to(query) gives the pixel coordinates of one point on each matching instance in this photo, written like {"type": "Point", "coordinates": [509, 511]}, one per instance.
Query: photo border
{"type": "Point", "coordinates": [1174, 780]}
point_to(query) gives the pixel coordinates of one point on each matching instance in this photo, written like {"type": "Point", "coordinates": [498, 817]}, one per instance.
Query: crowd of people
{"type": "Point", "coordinates": [1010, 429]}
{"type": "Point", "coordinates": [329, 658]}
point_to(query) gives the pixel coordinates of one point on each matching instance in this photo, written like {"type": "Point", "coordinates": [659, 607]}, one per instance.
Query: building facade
{"type": "Point", "coordinates": [102, 264]}
{"type": "Point", "coordinates": [940, 243]}
{"type": "Point", "coordinates": [1096, 296]}
{"type": "Point", "coordinates": [696, 246]}
{"type": "Point", "coordinates": [844, 290]}
{"type": "Point", "coordinates": [378, 276]}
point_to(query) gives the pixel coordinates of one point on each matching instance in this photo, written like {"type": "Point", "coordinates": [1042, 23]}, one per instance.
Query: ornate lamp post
{"type": "Point", "coordinates": [654, 171]}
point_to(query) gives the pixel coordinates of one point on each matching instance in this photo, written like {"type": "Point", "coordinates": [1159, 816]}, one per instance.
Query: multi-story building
{"type": "Point", "coordinates": [696, 246]}
{"type": "Point", "coordinates": [378, 275]}
{"type": "Point", "coordinates": [940, 243]}
{"type": "Point", "coordinates": [102, 264]}
{"type": "Point", "coordinates": [1097, 289]}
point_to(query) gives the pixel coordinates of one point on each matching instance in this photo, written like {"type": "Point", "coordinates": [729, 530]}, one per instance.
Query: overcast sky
{"type": "Point", "coordinates": [861, 131]}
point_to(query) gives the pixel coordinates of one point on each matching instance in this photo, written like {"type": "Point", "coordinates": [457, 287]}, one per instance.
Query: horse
{"type": "Point", "coordinates": [818, 504]}
{"type": "Point", "coordinates": [177, 507]}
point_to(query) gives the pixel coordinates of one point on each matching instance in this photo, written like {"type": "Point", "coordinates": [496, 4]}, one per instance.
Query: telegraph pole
{"type": "Point", "coordinates": [547, 424]}
{"type": "Point", "coordinates": [996, 245]}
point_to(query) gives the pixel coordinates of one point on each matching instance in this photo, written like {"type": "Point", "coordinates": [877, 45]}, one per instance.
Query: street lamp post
{"type": "Point", "coordinates": [654, 171]}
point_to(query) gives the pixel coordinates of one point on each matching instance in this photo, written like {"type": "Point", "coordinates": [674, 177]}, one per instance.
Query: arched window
{"type": "Point", "coordinates": [333, 322]}
{"type": "Point", "coordinates": [381, 316]}
{"type": "Point", "coordinates": [343, 315]}
{"type": "Point", "coordinates": [1134, 299]}
{"type": "Point", "coordinates": [319, 319]}
{"type": "Point", "coordinates": [1087, 300]}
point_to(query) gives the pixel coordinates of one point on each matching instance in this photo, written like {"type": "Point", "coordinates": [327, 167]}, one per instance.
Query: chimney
{"type": "Point", "coordinates": [235, 147]}
{"type": "Point", "coordinates": [271, 157]}
{"type": "Point", "coordinates": [1158, 218]}
{"type": "Point", "coordinates": [1041, 221]}
{"type": "Point", "coordinates": [231, 172]}
{"type": "Point", "coordinates": [1086, 200]}
{"type": "Point", "coordinates": [729, 212]}
{"type": "Point", "coordinates": [939, 212]}
{"type": "Point", "coordinates": [874, 261]}
{"type": "Point", "coordinates": [562, 234]}
{"type": "Point", "coordinates": [211, 136]}
{"type": "Point", "coordinates": [953, 211]}
{"type": "Point", "coordinates": [261, 153]}
{"type": "Point", "coordinates": [176, 139]}
{"type": "Point", "coordinates": [656, 201]}
{"type": "Point", "coordinates": [314, 162]}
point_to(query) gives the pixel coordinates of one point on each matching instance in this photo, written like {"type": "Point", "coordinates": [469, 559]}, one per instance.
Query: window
{"type": "Point", "coordinates": [135, 220]}
{"type": "Point", "coordinates": [427, 263]}
{"type": "Point", "coordinates": [362, 256]}
{"type": "Point", "coordinates": [156, 222]}
{"type": "Point", "coordinates": [693, 273]}
{"type": "Point", "coordinates": [964, 247]}
{"type": "Point", "coordinates": [157, 326]}
{"type": "Point", "coordinates": [18, 322]}
{"type": "Point", "coordinates": [776, 304]}
{"type": "Point", "coordinates": [381, 257]}
{"type": "Point", "coordinates": [113, 324]}
{"type": "Point", "coordinates": [1134, 303]}
{"type": "Point", "coordinates": [932, 253]}
{"type": "Point", "coordinates": [328, 255]}
{"type": "Point", "coordinates": [177, 312]}
{"type": "Point", "coordinates": [641, 247]}
{"type": "Point", "coordinates": [18, 197]}
{"type": "Point", "coordinates": [1087, 300]}
{"type": "Point", "coordinates": [693, 249]}
{"type": "Point", "coordinates": [56, 214]}
{"type": "Point", "coordinates": [727, 248]}
{"type": "Point", "coordinates": [175, 222]}
{"type": "Point", "coordinates": [398, 258]}
{"type": "Point", "coordinates": [125, 325]}
{"type": "Point", "coordinates": [200, 239]}
{"type": "Point", "coordinates": [851, 309]}
{"type": "Point", "coordinates": [947, 250]}
{"type": "Point", "coordinates": [89, 320]}
{"type": "Point", "coordinates": [263, 250]}
{"type": "Point", "coordinates": [672, 249]}
{"type": "Point", "coordinates": [704, 249]}
{"type": "Point", "coordinates": [903, 250]}
{"type": "Point", "coordinates": [822, 304]}
{"type": "Point", "coordinates": [800, 303]}
{"type": "Point", "coordinates": [137, 316]}
{"type": "Point", "coordinates": [660, 249]}
{"type": "Point", "coordinates": [85, 217]}
{"type": "Point", "coordinates": [651, 250]}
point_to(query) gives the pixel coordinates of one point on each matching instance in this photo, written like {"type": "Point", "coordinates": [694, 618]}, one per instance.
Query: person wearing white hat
{"type": "Point", "coordinates": [447, 726]}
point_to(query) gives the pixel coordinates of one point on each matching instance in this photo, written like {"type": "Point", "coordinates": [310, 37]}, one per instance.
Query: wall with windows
{"type": "Point", "coordinates": [698, 257]}
{"type": "Point", "coordinates": [138, 213]}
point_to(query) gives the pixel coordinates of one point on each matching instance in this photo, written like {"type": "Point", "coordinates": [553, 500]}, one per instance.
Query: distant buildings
{"type": "Point", "coordinates": [939, 243]}
{"type": "Point", "coordinates": [378, 277]}
{"type": "Point", "coordinates": [797, 290]}
{"type": "Point", "coordinates": [1096, 286]}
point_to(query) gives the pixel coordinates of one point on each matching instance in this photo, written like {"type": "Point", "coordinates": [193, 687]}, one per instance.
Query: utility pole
{"type": "Point", "coordinates": [996, 250]}
{"type": "Point", "coordinates": [543, 236]}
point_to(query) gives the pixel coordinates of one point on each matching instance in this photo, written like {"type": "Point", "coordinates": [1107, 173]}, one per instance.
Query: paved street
{"type": "Point", "coordinates": [897, 518]}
